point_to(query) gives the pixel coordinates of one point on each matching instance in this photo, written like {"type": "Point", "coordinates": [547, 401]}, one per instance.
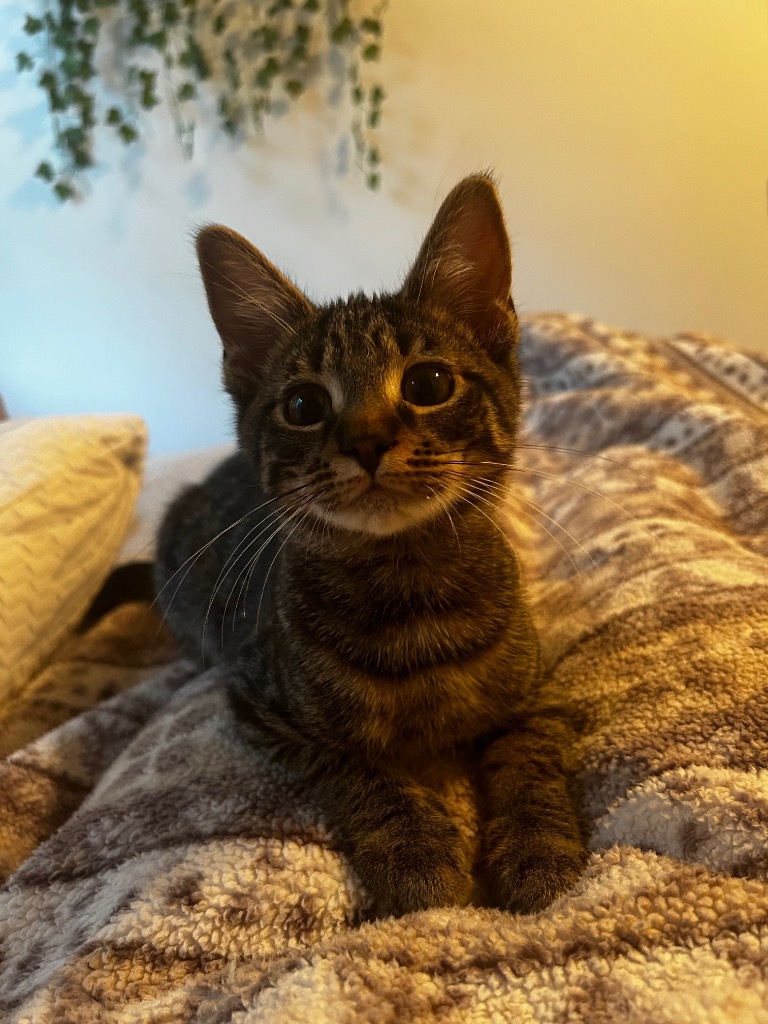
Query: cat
{"type": "Point", "coordinates": [388, 622]}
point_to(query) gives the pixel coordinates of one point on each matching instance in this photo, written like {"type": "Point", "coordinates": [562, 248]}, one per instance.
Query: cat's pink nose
{"type": "Point", "coordinates": [368, 451]}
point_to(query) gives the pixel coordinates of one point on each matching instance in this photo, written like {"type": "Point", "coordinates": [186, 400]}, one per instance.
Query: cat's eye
{"type": "Point", "coordinates": [427, 384]}
{"type": "Point", "coordinates": [307, 405]}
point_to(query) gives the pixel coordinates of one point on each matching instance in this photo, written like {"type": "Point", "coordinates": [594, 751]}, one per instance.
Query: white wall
{"type": "Point", "coordinates": [630, 138]}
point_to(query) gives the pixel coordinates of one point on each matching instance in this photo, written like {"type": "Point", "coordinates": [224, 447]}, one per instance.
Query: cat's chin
{"type": "Point", "coordinates": [382, 515]}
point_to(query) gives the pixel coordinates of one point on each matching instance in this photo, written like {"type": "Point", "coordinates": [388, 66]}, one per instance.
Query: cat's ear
{"type": "Point", "coordinates": [464, 264]}
{"type": "Point", "coordinates": [251, 302]}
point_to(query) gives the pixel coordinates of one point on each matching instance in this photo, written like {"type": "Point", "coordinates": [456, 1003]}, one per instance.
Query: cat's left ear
{"type": "Point", "coordinates": [464, 265]}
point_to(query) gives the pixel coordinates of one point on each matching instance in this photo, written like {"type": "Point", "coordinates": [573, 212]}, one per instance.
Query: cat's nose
{"type": "Point", "coordinates": [368, 451]}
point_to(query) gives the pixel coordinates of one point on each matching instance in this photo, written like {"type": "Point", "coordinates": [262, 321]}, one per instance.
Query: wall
{"type": "Point", "coordinates": [630, 138]}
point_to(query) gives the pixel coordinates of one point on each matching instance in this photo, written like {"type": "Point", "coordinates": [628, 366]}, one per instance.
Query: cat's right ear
{"type": "Point", "coordinates": [252, 304]}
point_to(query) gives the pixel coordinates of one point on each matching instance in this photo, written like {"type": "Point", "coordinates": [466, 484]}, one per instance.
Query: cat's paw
{"type": "Point", "coordinates": [422, 868]}
{"type": "Point", "coordinates": [528, 879]}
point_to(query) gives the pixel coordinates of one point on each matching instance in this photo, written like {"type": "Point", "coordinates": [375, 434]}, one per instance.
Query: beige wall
{"type": "Point", "coordinates": [630, 138]}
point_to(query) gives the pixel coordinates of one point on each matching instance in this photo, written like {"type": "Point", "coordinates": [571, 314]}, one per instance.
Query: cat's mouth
{"type": "Point", "coordinates": [383, 507]}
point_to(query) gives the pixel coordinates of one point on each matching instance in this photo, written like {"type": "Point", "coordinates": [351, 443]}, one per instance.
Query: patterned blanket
{"type": "Point", "coordinates": [165, 871]}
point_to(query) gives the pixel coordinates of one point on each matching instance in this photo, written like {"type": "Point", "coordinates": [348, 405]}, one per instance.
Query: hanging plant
{"type": "Point", "coordinates": [254, 55]}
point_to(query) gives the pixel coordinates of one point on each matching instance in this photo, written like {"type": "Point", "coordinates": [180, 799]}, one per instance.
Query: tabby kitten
{"type": "Point", "coordinates": [387, 623]}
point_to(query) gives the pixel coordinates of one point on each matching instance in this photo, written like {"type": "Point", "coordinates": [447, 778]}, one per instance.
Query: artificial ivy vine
{"type": "Point", "coordinates": [252, 54]}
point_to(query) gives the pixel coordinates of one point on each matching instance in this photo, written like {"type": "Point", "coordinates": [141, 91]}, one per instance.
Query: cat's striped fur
{"type": "Point", "coordinates": [385, 622]}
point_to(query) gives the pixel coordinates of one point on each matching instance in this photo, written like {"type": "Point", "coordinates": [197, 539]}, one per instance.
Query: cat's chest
{"type": "Point", "coordinates": [396, 656]}
{"type": "Point", "coordinates": [415, 693]}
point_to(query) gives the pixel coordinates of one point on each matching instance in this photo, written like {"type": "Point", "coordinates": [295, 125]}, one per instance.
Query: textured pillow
{"type": "Point", "coordinates": [68, 486]}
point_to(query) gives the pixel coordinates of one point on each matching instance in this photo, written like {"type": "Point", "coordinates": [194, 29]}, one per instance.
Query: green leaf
{"type": "Point", "coordinates": [270, 37]}
{"type": "Point", "coordinates": [371, 52]}
{"type": "Point", "coordinates": [82, 159]}
{"type": "Point", "coordinates": [32, 25]}
{"type": "Point", "coordinates": [373, 181]}
{"type": "Point", "coordinates": [24, 62]}
{"type": "Point", "coordinates": [374, 156]}
{"type": "Point", "coordinates": [267, 73]}
{"type": "Point", "coordinates": [312, 6]}
{"type": "Point", "coordinates": [73, 93]}
{"type": "Point", "coordinates": [377, 95]}
{"type": "Point", "coordinates": [71, 65]}
{"type": "Point", "coordinates": [194, 58]}
{"type": "Point", "coordinates": [45, 171]}
{"type": "Point", "coordinates": [372, 26]}
{"type": "Point", "coordinates": [114, 116]}
{"type": "Point", "coordinates": [374, 116]}
{"type": "Point", "coordinates": [73, 138]}
{"type": "Point", "coordinates": [186, 92]}
{"type": "Point", "coordinates": [342, 31]}
{"type": "Point", "coordinates": [357, 95]}
{"type": "Point", "coordinates": [64, 191]}
{"type": "Point", "coordinates": [127, 133]}
{"type": "Point", "coordinates": [219, 24]}
{"type": "Point", "coordinates": [86, 112]}
{"type": "Point", "coordinates": [157, 40]}
{"type": "Point", "coordinates": [294, 87]}
{"type": "Point", "coordinates": [171, 14]}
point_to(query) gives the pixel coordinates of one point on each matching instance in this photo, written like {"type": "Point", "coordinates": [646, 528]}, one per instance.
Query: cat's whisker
{"type": "Point", "coordinates": [190, 562]}
{"type": "Point", "coordinates": [502, 494]}
{"type": "Point", "coordinates": [444, 505]}
{"type": "Point", "coordinates": [470, 494]}
{"type": "Point", "coordinates": [250, 568]}
{"type": "Point", "coordinates": [507, 494]}
{"type": "Point", "coordinates": [450, 520]}
{"type": "Point", "coordinates": [315, 531]}
{"type": "Point", "coordinates": [277, 521]}
{"type": "Point", "coordinates": [544, 475]}
{"type": "Point", "coordinates": [242, 547]}
{"type": "Point", "coordinates": [569, 481]}
{"type": "Point", "coordinates": [271, 566]}
{"type": "Point", "coordinates": [580, 451]}
{"type": "Point", "coordinates": [201, 550]}
{"type": "Point", "coordinates": [560, 480]}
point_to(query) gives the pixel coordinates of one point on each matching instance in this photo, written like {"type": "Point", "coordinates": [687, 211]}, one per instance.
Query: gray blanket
{"type": "Point", "coordinates": [166, 871]}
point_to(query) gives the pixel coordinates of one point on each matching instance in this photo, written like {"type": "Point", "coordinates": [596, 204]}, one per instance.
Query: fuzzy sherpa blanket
{"type": "Point", "coordinates": [165, 871]}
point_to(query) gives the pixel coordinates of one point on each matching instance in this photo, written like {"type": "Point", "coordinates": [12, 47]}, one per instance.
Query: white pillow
{"type": "Point", "coordinates": [68, 486]}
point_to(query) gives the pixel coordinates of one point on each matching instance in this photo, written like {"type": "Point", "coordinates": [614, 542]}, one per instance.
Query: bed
{"type": "Point", "coordinates": [158, 869]}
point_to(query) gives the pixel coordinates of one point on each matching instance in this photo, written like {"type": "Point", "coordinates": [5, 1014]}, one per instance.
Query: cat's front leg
{"type": "Point", "coordinates": [399, 837]}
{"type": "Point", "coordinates": [533, 850]}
